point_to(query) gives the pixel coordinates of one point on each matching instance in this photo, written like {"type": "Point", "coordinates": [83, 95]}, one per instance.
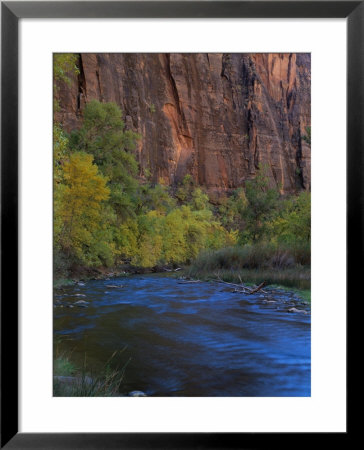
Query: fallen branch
{"type": "Point", "coordinates": [241, 281]}
{"type": "Point", "coordinates": [258, 288]}
{"type": "Point", "coordinates": [233, 284]}
{"type": "Point", "coordinates": [189, 281]}
{"type": "Point", "coordinates": [230, 284]}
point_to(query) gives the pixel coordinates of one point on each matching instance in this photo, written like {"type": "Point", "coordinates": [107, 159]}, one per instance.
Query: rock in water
{"type": "Point", "coordinates": [137, 394]}
{"type": "Point", "coordinates": [82, 304]}
{"type": "Point", "coordinates": [295, 310]}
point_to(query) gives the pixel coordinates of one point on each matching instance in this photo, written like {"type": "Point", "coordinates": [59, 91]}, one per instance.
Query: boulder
{"type": "Point", "coordinates": [295, 310]}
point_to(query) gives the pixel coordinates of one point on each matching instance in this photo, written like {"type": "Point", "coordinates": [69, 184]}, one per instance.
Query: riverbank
{"type": "Point", "coordinates": [293, 280]}
{"type": "Point", "coordinates": [274, 265]}
{"type": "Point", "coordinates": [82, 274]}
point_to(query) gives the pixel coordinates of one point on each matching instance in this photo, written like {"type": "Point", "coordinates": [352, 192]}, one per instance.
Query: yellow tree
{"type": "Point", "coordinates": [80, 208]}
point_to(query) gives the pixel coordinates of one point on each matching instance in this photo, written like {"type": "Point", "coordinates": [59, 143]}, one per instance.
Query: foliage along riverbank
{"type": "Point", "coordinates": [270, 263]}
{"type": "Point", "coordinates": [252, 264]}
{"type": "Point", "coordinates": [296, 279]}
{"type": "Point", "coordinates": [110, 212]}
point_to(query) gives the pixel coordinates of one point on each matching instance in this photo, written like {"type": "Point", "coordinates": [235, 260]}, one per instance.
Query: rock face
{"type": "Point", "coordinates": [214, 116]}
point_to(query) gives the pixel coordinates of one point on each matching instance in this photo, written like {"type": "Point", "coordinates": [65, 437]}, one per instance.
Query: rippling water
{"type": "Point", "coordinates": [188, 339]}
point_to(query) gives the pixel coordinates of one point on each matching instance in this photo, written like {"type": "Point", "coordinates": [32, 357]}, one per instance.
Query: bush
{"type": "Point", "coordinates": [275, 264]}
{"type": "Point", "coordinates": [252, 257]}
{"type": "Point", "coordinates": [71, 382]}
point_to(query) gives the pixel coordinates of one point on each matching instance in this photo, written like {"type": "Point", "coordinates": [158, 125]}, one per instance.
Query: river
{"type": "Point", "coordinates": [188, 339]}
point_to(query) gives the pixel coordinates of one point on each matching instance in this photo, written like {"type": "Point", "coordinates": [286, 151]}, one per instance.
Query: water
{"type": "Point", "coordinates": [188, 339]}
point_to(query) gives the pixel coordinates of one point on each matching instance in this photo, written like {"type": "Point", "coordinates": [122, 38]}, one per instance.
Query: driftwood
{"type": "Point", "coordinates": [189, 281]}
{"type": "Point", "coordinates": [230, 284]}
{"type": "Point", "coordinates": [240, 286]}
{"type": "Point", "coordinates": [245, 290]}
{"type": "Point", "coordinates": [258, 288]}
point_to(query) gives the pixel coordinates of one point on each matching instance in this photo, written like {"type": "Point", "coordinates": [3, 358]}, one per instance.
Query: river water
{"type": "Point", "coordinates": [187, 339]}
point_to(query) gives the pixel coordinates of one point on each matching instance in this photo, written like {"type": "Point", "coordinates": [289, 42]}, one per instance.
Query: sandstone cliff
{"type": "Point", "coordinates": [215, 116]}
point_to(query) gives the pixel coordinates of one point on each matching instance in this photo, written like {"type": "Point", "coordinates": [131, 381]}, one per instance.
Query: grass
{"type": "Point", "coordinates": [57, 283]}
{"type": "Point", "coordinates": [277, 265]}
{"type": "Point", "coordinates": [68, 381]}
{"type": "Point", "coordinates": [304, 294]}
{"type": "Point", "coordinates": [62, 366]}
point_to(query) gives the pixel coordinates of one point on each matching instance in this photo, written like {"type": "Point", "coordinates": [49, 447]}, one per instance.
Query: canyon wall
{"type": "Point", "coordinates": [214, 116]}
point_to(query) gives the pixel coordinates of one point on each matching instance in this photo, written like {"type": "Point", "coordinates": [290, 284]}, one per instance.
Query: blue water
{"type": "Point", "coordinates": [188, 339]}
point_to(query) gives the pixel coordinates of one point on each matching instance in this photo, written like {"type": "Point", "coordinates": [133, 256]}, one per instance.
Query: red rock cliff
{"type": "Point", "coordinates": [215, 116]}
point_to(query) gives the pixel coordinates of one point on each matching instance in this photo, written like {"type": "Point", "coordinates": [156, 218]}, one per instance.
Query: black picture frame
{"type": "Point", "coordinates": [11, 12]}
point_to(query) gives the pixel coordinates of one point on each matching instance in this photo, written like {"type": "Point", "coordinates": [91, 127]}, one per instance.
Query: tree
{"type": "Point", "coordinates": [262, 201]}
{"type": "Point", "coordinates": [232, 209]}
{"type": "Point", "coordinates": [80, 210]}
{"type": "Point", "coordinates": [185, 189]}
{"type": "Point", "coordinates": [199, 200]}
{"type": "Point", "coordinates": [64, 64]}
{"type": "Point", "coordinates": [60, 152]}
{"type": "Point", "coordinates": [103, 135]}
{"type": "Point", "coordinates": [293, 224]}
{"type": "Point", "coordinates": [149, 240]}
{"type": "Point", "coordinates": [154, 197]}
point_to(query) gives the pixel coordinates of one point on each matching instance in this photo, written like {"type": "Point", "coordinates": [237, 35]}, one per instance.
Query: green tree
{"type": "Point", "coordinates": [260, 208]}
{"type": "Point", "coordinates": [103, 135]}
{"type": "Point", "coordinates": [60, 152]}
{"type": "Point", "coordinates": [232, 209]}
{"type": "Point", "coordinates": [293, 224]}
{"type": "Point", "coordinates": [154, 197]}
{"type": "Point", "coordinates": [185, 189]}
{"type": "Point", "coordinates": [64, 64]}
{"type": "Point", "coordinates": [199, 200]}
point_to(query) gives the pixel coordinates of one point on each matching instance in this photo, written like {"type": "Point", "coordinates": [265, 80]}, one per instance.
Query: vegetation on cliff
{"type": "Point", "coordinates": [107, 214]}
